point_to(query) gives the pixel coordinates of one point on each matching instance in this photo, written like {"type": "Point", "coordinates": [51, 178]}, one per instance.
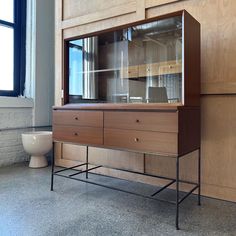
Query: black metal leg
{"type": "Point", "coordinates": [177, 194]}
{"type": "Point", "coordinates": [86, 162]}
{"type": "Point", "coordinates": [199, 177]}
{"type": "Point", "coordinates": [52, 173]}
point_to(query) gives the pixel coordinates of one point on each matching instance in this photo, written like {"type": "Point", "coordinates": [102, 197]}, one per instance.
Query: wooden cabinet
{"type": "Point", "coordinates": [173, 132]}
{"type": "Point", "coordinates": [135, 87]}
{"type": "Point", "coordinates": [136, 63]}
{"type": "Point", "coordinates": [84, 127]}
{"type": "Point", "coordinates": [78, 118]}
{"type": "Point", "coordinates": [148, 121]}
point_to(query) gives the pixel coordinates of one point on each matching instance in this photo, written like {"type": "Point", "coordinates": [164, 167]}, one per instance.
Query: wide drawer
{"type": "Point", "coordinates": [78, 118]}
{"type": "Point", "coordinates": [153, 142]}
{"type": "Point", "coordinates": [77, 134]}
{"type": "Point", "coordinates": [150, 121]}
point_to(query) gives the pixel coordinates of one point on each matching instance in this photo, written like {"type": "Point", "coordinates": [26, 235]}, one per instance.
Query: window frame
{"type": "Point", "coordinates": [19, 47]}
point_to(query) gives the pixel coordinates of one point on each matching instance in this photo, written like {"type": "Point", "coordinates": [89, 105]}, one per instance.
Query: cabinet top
{"type": "Point", "coordinates": [125, 107]}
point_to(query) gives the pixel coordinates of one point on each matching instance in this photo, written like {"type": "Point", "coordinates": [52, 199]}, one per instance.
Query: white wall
{"type": "Point", "coordinates": [36, 108]}
{"type": "Point", "coordinates": [44, 63]}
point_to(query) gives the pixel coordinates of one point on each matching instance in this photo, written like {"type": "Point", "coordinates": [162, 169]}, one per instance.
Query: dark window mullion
{"type": "Point", "coordinates": [17, 43]}
{"type": "Point", "coordinates": [6, 23]}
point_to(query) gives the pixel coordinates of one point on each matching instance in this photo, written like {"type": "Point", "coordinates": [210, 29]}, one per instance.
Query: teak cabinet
{"type": "Point", "coordinates": [134, 88]}
{"type": "Point", "coordinates": [164, 130]}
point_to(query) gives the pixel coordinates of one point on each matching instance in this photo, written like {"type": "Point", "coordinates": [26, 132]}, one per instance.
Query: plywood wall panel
{"type": "Point", "coordinates": [218, 69]}
{"type": "Point", "coordinates": [99, 25]}
{"type": "Point", "coordinates": [219, 140]}
{"type": "Point", "coordinates": [75, 8]}
{"type": "Point", "coordinates": [218, 33]}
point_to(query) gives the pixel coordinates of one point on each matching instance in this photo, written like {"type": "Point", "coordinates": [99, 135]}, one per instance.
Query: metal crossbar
{"type": "Point", "coordinates": [175, 180]}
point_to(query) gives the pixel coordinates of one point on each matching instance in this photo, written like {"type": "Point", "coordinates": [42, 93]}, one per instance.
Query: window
{"type": "Point", "coordinates": [76, 67]}
{"type": "Point", "coordinates": [12, 47]}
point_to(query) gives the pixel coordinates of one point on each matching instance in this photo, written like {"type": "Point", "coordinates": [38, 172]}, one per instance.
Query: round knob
{"type": "Point", "coordinates": [137, 121]}
{"type": "Point", "coordinates": [76, 134]}
{"type": "Point", "coordinates": [76, 118]}
{"type": "Point", "coordinates": [148, 69]}
{"type": "Point", "coordinates": [170, 67]}
{"type": "Point", "coordinates": [136, 140]}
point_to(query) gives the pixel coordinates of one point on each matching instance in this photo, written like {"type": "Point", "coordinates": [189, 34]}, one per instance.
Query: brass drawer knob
{"type": "Point", "coordinates": [76, 134]}
{"type": "Point", "coordinates": [76, 118]}
{"type": "Point", "coordinates": [137, 120]}
{"type": "Point", "coordinates": [136, 140]}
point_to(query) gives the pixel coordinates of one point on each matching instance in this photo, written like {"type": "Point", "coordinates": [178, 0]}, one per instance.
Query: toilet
{"type": "Point", "coordinates": [37, 144]}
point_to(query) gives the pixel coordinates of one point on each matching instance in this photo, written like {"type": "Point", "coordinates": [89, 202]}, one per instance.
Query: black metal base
{"type": "Point", "coordinates": [177, 181]}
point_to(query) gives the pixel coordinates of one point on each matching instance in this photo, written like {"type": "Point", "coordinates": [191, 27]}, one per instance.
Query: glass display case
{"type": "Point", "coordinates": [136, 64]}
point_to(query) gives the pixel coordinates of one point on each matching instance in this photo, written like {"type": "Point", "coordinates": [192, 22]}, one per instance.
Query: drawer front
{"type": "Point", "coordinates": [129, 72]}
{"type": "Point", "coordinates": [78, 118]}
{"type": "Point", "coordinates": [170, 69]}
{"type": "Point", "coordinates": [77, 134]}
{"type": "Point", "coordinates": [150, 121]}
{"type": "Point", "coordinates": [153, 142]}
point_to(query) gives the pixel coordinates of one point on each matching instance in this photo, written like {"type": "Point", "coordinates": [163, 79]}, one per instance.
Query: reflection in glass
{"type": "Point", "coordinates": [139, 64]}
{"type": "Point", "coordinates": [6, 58]}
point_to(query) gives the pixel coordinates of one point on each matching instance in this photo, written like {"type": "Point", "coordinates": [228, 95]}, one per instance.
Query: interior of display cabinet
{"type": "Point", "coordinates": [137, 64]}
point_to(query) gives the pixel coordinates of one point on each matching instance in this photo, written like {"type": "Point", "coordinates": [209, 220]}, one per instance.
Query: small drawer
{"type": "Point", "coordinates": [129, 72]}
{"type": "Point", "coordinates": [76, 134]}
{"type": "Point", "coordinates": [144, 141]}
{"type": "Point", "coordinates": [149, 121]}
{"type": "Point", "coordinates": [170, 69]}
{"type": "Point", "coordinates": [78, 118]}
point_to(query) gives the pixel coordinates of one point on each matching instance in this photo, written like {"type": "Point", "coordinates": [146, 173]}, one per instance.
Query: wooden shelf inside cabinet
{"type": "Point", "coordinates": [161, 68]}
{"type": "Point", "coordinates": [153, 69]}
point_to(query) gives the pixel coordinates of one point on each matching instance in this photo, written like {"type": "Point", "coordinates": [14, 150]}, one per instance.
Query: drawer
{"type": "Point", "coordinates": [78, 118]}
{"type": "Point", "coordinates": [150, 121]}
{"type": "Point", "coordinates": [161, 68]}
{"type": "Point", "coordinates": [170, 69]}
{"type": "Point", "coordinates": [153, 142]}
{"type": "Point", "coordinates": [129, 72]}
{"type": "Point", "coordinates": [77, 134]}
{"type": "Point", "coordinates": [148, 70]}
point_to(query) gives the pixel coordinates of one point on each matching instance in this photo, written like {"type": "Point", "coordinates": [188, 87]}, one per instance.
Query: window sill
{"type": "Point", "coordinates": [17, 102]}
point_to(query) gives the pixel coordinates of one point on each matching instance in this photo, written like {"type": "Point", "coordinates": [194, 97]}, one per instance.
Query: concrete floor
{"type": "Point", "coordinates": [27, 207]}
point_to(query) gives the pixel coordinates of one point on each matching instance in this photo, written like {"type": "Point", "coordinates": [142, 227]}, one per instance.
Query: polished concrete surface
{"type": "Point", "coordinates": [28, 207]}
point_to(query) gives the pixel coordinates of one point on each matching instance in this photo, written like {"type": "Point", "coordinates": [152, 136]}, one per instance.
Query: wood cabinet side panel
{"type": "Point", "coordinates": [189, 130]}
{"type": "Point", "coordinates": [191, 61]}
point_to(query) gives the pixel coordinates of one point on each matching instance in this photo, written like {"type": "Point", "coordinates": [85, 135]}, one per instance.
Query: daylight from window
{"type": "Point", "coordinates": [6, 46]}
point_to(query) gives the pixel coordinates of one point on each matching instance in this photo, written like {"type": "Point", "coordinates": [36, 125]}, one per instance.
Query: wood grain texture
{"type": "Point", "coordinates": [129, 7]}
{"type": "Point", "coordinates": [75, 8]}
{"type": "Point", "coordinates": [191, 61]}
{"type": "Point", "coordinates": [154, 3]}
{"type": "Point", "coordinates": [219, 140]}
{"type": "Point", "coordinates": [189, 130]}
{"type": "Point", "coordinates": [78, 134]}
{"type": "Point", "coordinates": [157, 142]}
{"type": "Point", "coordinates": [149, 121]}
{"type": "Point", "coordinates": [78, 118]}
{"type": "Point", "coordinates": [122, 106]}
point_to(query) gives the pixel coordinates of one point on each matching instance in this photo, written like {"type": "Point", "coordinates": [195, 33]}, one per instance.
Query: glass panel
{"type": "Point", "coordinates": [76, 68]}
{"type": "Point", "coordinates": [139, 64]}
{"type": "Point", "coordinates": [7, 10]}
{"type": "Point", "coordinates": [6, 58]}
